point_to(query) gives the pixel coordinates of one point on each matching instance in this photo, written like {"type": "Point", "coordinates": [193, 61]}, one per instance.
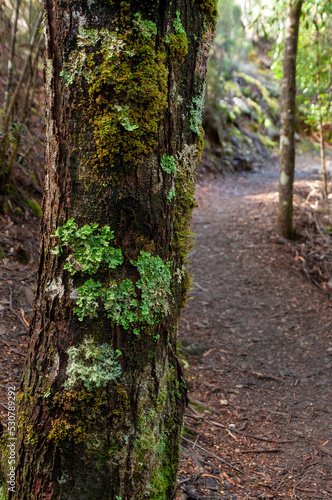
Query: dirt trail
{"type": "Point", "coordinates": [258, 340]}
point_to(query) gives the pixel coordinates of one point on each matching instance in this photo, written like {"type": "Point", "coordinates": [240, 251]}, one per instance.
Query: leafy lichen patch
{"type": "Point", "coordinates": [196, 113]}
{"type": "Point", "coordinates": [126, 303]}
{"type": "Point", "coordinates": [92, 365]}
{"type": "Point", "coordinates": [90, 247]}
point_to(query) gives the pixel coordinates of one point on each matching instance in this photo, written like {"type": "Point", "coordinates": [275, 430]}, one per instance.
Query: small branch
{"type": "Point", "coordinates": [13, 310]}
{"type": "Point", "coordinates": [11, 56]}
{"type": "Point", "coordinates": [213, 455]}
{"type": "Point", "coordinates": [273, 450]}
{"type": "Point", "coordinates": [203, 405]}
{"type": "Point", "coordinates": [244, 434]}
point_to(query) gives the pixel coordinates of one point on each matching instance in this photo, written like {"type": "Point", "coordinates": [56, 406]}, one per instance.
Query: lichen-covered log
{"type": "Point", "coordinates": [102, 397]}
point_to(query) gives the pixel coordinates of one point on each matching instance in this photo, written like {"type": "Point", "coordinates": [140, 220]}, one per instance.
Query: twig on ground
{"type": "Point", "coordinates": [13, 310]}
{"type": "Point", "coordinates": [213, 455]}
{"type": "Point", "coordinates": [252, 436]}
{"type": "Point", "coordinates": [204, 405]}
{"type": "Point", "coordinates": [272, 450]}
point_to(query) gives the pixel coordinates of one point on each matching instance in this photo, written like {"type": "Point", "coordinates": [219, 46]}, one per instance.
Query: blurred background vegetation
{"type": "Point", "coordinates": [244, 79]}
{"type": "Point", "coordinates": [241, 119]}
{"type": "Point", "coordinates": [22, 106]}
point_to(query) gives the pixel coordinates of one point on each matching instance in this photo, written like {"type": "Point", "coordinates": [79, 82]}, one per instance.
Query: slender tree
{"type": "Point", "coordinates": [102, 397]}
{"type": "Point", "coordinates": [287, 145]}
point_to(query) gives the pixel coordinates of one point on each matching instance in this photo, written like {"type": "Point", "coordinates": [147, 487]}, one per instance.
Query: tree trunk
{"type": "Point", "coordinates": [320, 120]}
{"type": "Point", "coordinates": [102, 397]}
{"type": "Point", "coordinates": [287, 108]}
{"type": "Point", "coordinates": [323, 157]}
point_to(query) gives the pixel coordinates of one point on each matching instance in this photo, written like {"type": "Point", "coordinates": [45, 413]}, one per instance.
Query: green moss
{"type": "Point", "coordinates": [157, 438]}
{"type": "Point", "coordinates": [185, 202]}
{"type": "Point", "coordinates": [267, 141]}
{"type": "Point", "coordinates": [209, 8]}
{"type": "Point", "coordinates": [80, 411]}
{"type": "Point", "coordinates": [177, 41]}
{"type": "Point", "coordinates": [271, 102]}
{"type": "Point", "coordinates": [127, 83]}
{"type": "Point", "coordinates": [30, 435]}
{"type": "Point", "coordinates": [122, 401]}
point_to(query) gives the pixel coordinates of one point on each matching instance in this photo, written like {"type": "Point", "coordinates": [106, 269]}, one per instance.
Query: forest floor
{"type": "Point", "coordinates": [256, 339]}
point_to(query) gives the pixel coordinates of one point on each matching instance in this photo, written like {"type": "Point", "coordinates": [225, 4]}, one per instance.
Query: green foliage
{"type": "Point", "coordinates": [196, 113]}
{"type": "Point", "coordinates": [313, 63]}
{"type": "Point", "coordinates": [92, 365]}
{"type": "Point", "coordinates": [178, 42]}
{"type": "Point", "coordinates": [168, 164]}
{"type": "Point", "coordinates": [90, 245]}
{"type": "Point", "coordinates": [87, 300]}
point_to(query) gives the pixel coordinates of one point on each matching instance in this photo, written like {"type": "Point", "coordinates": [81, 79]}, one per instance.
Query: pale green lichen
{"type": "Point", "coordinates": [90, 247]}
{"type": "Point", "coordinates": [79, 64]}
{"type": "Point", "coordinates": [126, 303]}
{"type": "Point", "coordinates": [168, 164]}
{"type": "Point", "coordinates": [171, 195]}
{"type": "Point", "coordinates": [121, 303]}
{"type": "Point", "coordinates": [124, 118]}
{"type": "Point", "coordinates": [196, 113]}
{"type": "Point", "coordinates": [147, 28]}
{"type": "Point", "coordinates": [91, 365]}
{"type": "Point", "coordinates": [87, 300]}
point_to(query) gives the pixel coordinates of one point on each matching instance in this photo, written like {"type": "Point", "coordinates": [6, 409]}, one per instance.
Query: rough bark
{"type": "Point", "coordinates": [125, 86]}
{"type": "Point", "coordinates": [287, 108]}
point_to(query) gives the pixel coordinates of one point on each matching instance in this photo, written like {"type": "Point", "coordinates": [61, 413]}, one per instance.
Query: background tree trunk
{"type": "Point", "coordinates": [125, 85]}
{"type": "Point", "coordinates": [287, 146]}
